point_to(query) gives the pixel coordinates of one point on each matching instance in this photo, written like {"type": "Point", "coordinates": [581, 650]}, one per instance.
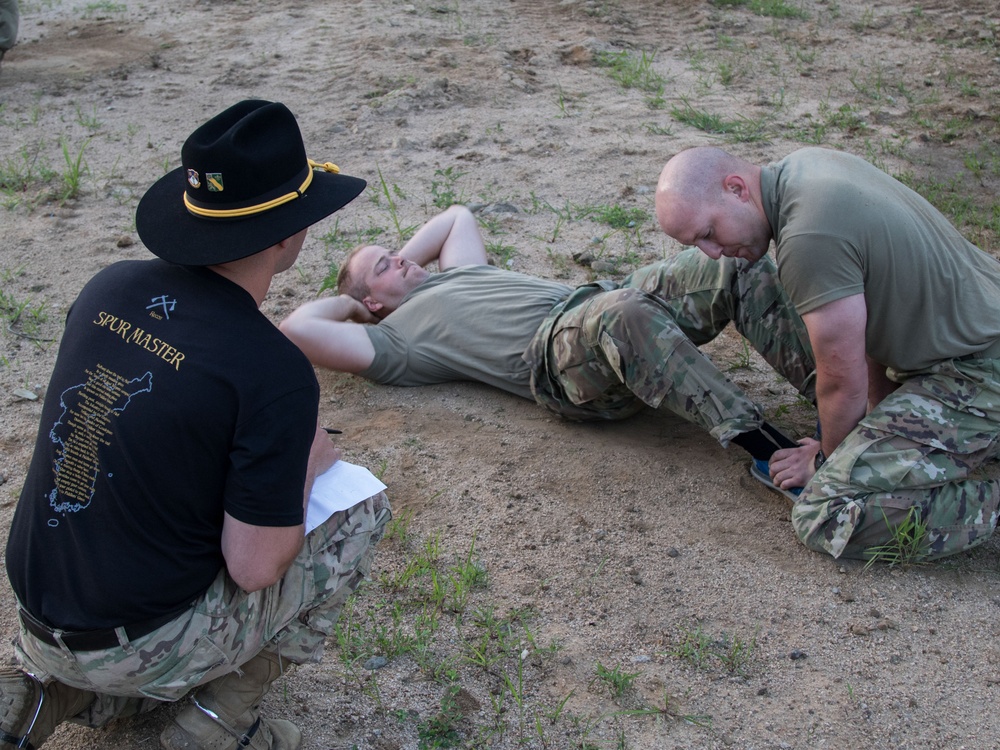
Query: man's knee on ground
{"type": "Point", "coordinates": [823, 523]}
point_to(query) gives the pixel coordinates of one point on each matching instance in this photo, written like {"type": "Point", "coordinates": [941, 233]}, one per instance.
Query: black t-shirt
{"type": "Point", "coordinates": [173, 399]}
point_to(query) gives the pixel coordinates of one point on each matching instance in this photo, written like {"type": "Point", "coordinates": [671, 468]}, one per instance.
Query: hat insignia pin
{"type": "Point", "coordinates": [193, 179]}
{"type": "Point", "coordinates": [214, 180]}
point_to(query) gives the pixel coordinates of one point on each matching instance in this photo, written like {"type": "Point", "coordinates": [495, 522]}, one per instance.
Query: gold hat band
{"type": "Point", "coordinates": [232, 213]}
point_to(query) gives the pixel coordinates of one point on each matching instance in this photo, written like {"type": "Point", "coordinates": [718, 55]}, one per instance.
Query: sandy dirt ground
{"type": "Point", "coordinates": [621, 585]}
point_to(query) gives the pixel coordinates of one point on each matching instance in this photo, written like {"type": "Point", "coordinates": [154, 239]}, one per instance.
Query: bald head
{"type": "Point", "coordinates": [695, 178]}
{"type": "Point", "coordinates": [703, 188]}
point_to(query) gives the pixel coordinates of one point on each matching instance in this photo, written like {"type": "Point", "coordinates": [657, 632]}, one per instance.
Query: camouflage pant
{"type": "Point", "coordinates": [226, 626]}
{"type": "Point", "coordinates": [608, 351]}
{"type": "Point", "coordinates": [919, 451]}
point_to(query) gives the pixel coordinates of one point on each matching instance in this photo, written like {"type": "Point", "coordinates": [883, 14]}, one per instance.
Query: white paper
{"type": "Point", "coordinates": [340, 487]}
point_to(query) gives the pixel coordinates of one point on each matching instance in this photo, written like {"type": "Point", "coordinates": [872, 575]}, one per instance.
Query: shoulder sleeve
{"type": "Point", "coordinates": [389, 366]}
{"type": "Point", "coordinates": [818, 269]}
{"type": "Point", "coordinates": [266, 479]}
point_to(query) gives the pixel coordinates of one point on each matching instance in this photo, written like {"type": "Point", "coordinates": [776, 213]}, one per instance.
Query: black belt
{"type": "Point", "coordinates": [91, 640]}
{"type": "Point", "coordinates": [990, 352]}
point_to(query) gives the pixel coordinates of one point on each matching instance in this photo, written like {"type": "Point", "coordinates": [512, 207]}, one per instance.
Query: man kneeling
{"type": "Point", "coordinates": [158, 545]}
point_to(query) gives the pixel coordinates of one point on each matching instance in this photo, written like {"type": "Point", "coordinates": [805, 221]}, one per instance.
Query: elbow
{"type": "Point", "coordinates": [250, 584]}
{"type": "Point", "coordinates": [255, 573]}
{"type": "Point", "coordinates": [287, 326]}
{"type": "Point", "coordinates": [461, 216]}
{"type": "Point", "coordinates": [293, 332]}
{"type": "Point", "coordinates": [257, 580]}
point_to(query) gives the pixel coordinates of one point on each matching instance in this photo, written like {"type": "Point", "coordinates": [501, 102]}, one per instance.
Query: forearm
{"type": "Point", "coordinates": [311, 474]}
{"type": "Point", "coordinates": [322, 455]}
{"type": "Point", "coordinates": [326, 332]}
{"type": "Point", "coordinates": [425, 246]}
{"type": "Point", "coordinates": [339, 309]}
{"type": "Point", "coordinates": [452, 238]}
{"type": "Point", "coordinates": [837, 333]}
{"type": "Point", "coordinates": [841, 406]}
{"type": "Point", "coordinates": [256, 556]}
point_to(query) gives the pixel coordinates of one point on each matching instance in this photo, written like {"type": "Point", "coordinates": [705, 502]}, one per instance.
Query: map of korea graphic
{"type": "Point", "coordinates": [83, 426]}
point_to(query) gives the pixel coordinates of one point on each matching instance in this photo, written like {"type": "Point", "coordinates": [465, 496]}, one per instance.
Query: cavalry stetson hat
{"type": "Point", "coordinates": [244, 184]}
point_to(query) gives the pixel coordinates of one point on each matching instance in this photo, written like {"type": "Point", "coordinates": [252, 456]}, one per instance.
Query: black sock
{"type": "Point", "coordinates": [763, 442]}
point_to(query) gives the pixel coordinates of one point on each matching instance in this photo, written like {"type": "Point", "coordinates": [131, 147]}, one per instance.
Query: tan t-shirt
{"type": "Point", "coordinates": [468, 323]}
{"type": "Point", "coordinates": [844, 227]}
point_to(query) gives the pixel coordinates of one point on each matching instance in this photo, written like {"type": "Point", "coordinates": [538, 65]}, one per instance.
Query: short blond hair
{"type": "Point", "coordinates": [347, 283]}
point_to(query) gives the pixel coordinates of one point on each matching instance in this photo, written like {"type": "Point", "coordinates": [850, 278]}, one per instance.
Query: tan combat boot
{"type": "Point", "coordinates": [29, 712]}
{"type": "Point", "coordinates": [225, 713]}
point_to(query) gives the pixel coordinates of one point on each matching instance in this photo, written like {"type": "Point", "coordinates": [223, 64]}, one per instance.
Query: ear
{"type": "Point", "coordinates": [736, 185]}
{"type": "Point", "coordinates": [372, 305]}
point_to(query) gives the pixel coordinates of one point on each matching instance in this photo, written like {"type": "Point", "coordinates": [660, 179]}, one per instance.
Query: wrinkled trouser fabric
{"type": "Point", "coordinates": [226, 626]}
{"type": "Point", "coordinates": [608, 352]}
{"type": "Point", "coordinates": [920, 449]}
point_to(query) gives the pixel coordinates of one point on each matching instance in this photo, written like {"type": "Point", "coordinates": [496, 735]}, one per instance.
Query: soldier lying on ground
{"type": "Point", "coordinates": [604, 350]}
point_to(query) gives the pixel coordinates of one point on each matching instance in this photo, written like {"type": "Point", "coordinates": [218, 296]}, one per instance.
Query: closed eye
{"type": "Point", "coordinates": [383, 263]}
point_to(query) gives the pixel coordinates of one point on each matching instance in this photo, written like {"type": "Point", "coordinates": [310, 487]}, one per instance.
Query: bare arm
{"type": "Point", "coordinates": [452, 238]}
{"type": "Point", "coordinates": [837, 333]}
{"type": "Point", "coordinates": [258, 556]}
{"type": "Point", "coordinates": [327, 331]}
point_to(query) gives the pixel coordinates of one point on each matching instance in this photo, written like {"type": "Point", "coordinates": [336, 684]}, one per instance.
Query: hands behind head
{"type": "Point", "coordinates": [359, 313]}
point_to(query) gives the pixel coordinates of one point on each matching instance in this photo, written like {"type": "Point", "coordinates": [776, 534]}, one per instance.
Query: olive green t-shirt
{"type": "Point", "coordinates": [467, 323]}
{"type": "Point", "coordinates": [844, 227]}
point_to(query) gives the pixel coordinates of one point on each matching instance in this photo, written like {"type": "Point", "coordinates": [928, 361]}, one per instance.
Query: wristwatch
{"type": "Point", "coordinates": [820, 459]}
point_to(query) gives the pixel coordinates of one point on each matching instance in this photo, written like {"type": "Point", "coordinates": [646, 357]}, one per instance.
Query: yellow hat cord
{"type": "Point", "coordinates": [231, 213]}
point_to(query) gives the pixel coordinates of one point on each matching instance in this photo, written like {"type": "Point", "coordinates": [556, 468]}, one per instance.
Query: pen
{"type": "Point", "coordinates": [331, 431]}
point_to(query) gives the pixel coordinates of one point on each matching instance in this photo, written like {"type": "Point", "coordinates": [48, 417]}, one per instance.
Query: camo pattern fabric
{"type": "Point", "coordinates": [608, 350]}
{"type": "Point", "coordinates": [921, 451]}
{"type": "Point", "coordinates": [226, 626]}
